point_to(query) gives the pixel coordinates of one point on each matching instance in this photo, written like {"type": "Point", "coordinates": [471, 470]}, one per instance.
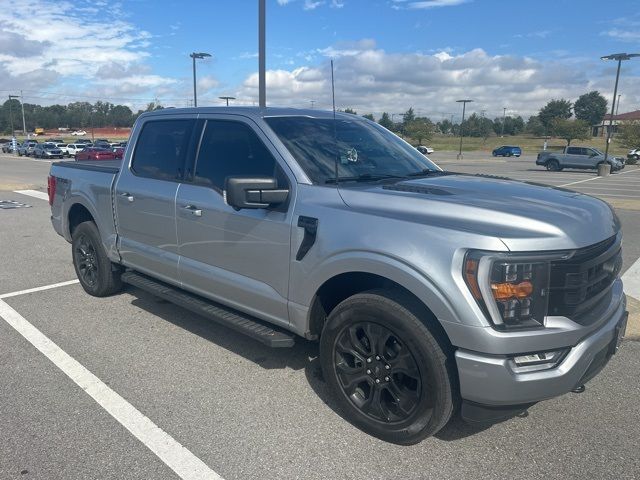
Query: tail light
{"type": "Point", "coordinates": [51, 188]}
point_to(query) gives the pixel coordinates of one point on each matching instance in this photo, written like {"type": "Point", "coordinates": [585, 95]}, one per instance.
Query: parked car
{"type": "Point", "coordinates": [577, 157]}
{"type": "Point", "coordinates": [26, 148]}
{"type": "Point", "coordinates": [83, 140]}
{"type": "Point", "coordinates": [47, 150]}
{"type": "Point", "coordinates": [634, 155]}
{"type": "Point", "coordinates": [74, 148]}
{"type": "Point", "coordinates": [118, 152]}
{"type": "Point", "coordinates": [102, 144]}
{"type": "Point", "coordinates": [426, 289]}
{"type": "Point", "coordinates": [95, 153]}
{"type": "Point", "coordinates": [78, 133]}
{"type": "Point", "coordinates": [64, 148]}
{"type": "Point", "coordinates": [7, 147]}
{"type": "Point", "coordinates": [507, 151]}
{"type": "Point", "coordinates": [424, 149]}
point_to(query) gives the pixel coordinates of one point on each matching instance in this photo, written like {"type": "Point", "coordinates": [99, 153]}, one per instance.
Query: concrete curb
{"type": "Point", "coordinates": [633, 324]}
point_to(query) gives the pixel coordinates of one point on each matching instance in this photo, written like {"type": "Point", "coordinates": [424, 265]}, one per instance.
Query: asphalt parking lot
{"type": "Point", "coordinates": [209, 403]}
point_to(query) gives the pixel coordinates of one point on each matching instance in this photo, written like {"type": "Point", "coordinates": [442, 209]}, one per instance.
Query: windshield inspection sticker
{"type": "Point", "coordinates": [6, 204]}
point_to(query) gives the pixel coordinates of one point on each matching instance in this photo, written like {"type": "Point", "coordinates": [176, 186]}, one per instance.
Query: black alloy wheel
{"type": "Point", "coordinates": [86, 259]}
{"type": "Point", "coordinates": [377, 372]}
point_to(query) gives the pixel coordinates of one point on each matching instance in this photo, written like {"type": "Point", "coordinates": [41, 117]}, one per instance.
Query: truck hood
{"type": "Point", "coordinates": [525, 216]}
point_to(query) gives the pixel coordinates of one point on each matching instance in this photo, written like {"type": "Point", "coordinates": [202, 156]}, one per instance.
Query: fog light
{"type": "Point", "coordinates": [533, 362]}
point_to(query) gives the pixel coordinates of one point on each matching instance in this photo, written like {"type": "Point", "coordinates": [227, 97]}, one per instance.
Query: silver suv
{"type": "Point", "coordinates": [427, 290]}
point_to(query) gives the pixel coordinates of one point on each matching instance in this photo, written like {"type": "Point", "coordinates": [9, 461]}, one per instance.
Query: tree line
{"type": "Point", "coordinates": [75, 115]}
{"type": "Point", "coordinates": [554, 119]}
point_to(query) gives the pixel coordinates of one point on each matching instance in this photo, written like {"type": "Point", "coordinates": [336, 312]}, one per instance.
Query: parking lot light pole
{"type": "Point", "coordinates": [464, 107]}
{"type": "Point", "coordinates": [11, 115]}
{"type": "Point", "coordinates": [504, 117]}
{"type": "Point", "coordinates": [195, 55]}
{"type": "Point", "coordinates": [227, 98]}
{"type": "Point", "coordinates": [619, 57]}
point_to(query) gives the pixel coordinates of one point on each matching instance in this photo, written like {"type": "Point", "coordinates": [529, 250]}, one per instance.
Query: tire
{"type": "Point", "coordinates": [403, 355]}
{"type": "Point", "coordinates": [97, 274]}
{"type": "Point", "coordinates": [553, 166]}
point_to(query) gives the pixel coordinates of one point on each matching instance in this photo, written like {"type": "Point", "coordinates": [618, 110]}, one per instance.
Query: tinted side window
{"type": "Point", "coordinates": [232, 149]}
{"type": "Point", "coordinates": [574, 151]}
{"type": "Point", "coordinates": [161, 149]}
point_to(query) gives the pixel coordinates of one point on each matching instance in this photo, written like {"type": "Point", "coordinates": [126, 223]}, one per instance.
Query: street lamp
{"type": "Point", "coordinates": [227, 98]}
{"type": "Point", "coordinates": [619, 57]}
{"type": "Point", "coordinates": [11, 97]}
{"type": "Point", "coordinates": [504, 117]}
{"type": "Point", "coordinates": [195, 55]}
{"type": "Point", "coordinates": [464, 107]}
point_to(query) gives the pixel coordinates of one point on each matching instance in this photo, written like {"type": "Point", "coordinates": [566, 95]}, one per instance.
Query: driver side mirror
{"type": "Point", "coordinates": [254, 192]}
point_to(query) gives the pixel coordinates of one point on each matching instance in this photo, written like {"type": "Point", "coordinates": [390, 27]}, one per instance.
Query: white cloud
{"type": "Point", "coordinates": [372, 80]}
{"type": "Point", "coordinates": [337, 4]}
{"type": "Point", "coordinates": [426, 4]}
{"type": "Point", "coordinates": [623, 35]}
{"type": "Point", "coordinates": [311, 4]}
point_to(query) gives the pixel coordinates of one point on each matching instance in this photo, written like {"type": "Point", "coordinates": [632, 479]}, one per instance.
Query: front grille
{"type": "Point", "coordinates": [578, 283]}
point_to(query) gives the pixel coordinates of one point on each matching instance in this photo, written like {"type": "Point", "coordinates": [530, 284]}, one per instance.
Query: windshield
{"type": "Point", "coordinates": [363, 149]}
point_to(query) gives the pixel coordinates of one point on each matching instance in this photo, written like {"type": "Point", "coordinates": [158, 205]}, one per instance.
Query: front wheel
{"type": "Point", "coordinates": [390, 374]}
{"type": "Point", "coordinates": [553, 166]}
{"type": "Point", "coordinates": [98, 276]}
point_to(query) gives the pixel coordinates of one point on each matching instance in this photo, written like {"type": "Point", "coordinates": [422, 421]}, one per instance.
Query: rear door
{"type": "Point", "coordinates": [145, 196]}
{"type": "Point", "coordinates": [240, 258]}
{"type": "Point", "coordinates": [572, 157]}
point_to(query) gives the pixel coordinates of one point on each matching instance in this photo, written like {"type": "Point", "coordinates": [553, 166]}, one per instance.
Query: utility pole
{"type": "Point", "coordinates": [313, 102]}
{"type": "Point", "coordinates": [619, 57]}
{"type": "Point", "coordinates": [11, 117]}
{"type": "Point", "coordinates": [262, 93]}
{"type": "Point", "coordinates": [504, 116]}
{"type": "Point", "coordinates": [24, 124]}
{"type": "Point", "coordinates": [227, 98]}
{"type": "Point", "coordinates": [618, 105]}
{"type": "Point", "coordinates": [464, 106]}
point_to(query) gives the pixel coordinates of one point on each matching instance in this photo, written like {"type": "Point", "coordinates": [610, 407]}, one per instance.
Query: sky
{"type": "Point", "coordinates": [389, 55]}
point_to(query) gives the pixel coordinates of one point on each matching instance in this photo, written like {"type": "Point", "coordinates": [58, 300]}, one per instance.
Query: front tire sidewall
{"type": "Point", "coordinates": [435, 406]}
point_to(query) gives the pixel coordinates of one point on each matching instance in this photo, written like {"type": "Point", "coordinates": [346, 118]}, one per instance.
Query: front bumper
{"type": "Point", "coordinates": [490, 380]}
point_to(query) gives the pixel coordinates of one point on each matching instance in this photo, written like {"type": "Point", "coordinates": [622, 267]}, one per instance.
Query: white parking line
{"type": "Point", "coordinates": [164, 446]}
{"type": "Point", "coordinates": [579, 181]}
{"type": "Point", "coordinates": [39, 289]}
{"type": "Point", "coordinates": [631, 280]}
{"type": "Point", "coordinates": [33, 193]}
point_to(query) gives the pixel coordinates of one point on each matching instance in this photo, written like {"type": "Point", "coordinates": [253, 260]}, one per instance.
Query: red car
{"type": "Point", "coordinates": [94, 153]}
{"type": "Point", "coordinates": [118, 152]}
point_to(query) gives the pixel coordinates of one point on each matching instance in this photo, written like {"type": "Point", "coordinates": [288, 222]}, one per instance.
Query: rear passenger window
{"type": "Point", "coordinates": [161, 149]}
{"type": "Point", "coordinates": [574, 151]}
{"type": "Point", "coordinates": [230, 149]}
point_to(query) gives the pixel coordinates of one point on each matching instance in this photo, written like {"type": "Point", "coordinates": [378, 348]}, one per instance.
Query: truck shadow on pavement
{"type": "Point", "coordinates": [303, 355]}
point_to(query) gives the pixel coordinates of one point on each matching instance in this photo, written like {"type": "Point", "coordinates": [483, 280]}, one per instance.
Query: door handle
{"type": "Point", "coordinates": [127, 195]}
{"type": "Point", "coordinates": [194, 210]}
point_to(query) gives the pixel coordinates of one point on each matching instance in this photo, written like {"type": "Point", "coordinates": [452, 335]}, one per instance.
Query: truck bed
{"type": "Point", "coordinates": [106, 166]}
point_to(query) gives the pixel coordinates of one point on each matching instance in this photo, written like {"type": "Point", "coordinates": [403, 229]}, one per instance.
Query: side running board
{"type": "Point", "coordinates": [240, 322]}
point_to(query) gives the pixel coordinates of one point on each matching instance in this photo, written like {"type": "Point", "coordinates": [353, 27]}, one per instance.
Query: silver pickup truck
{"type": "Point", "coordinates": [577, 157]}
{"type": "Point", "coordinates": [429, 292]}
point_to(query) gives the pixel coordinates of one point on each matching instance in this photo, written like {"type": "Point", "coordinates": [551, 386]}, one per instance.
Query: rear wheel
{"type": "Point", "coordinates": [97, 274]}
{"type": "Point", "coordinates": [390, 374]}
{"type": "Point", "coordinates": [553, 166]}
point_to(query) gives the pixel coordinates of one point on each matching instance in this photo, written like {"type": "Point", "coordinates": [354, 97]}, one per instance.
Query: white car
{"type": "Point", "coordinates": [634, 154]}
{"type": "Point", "coordinates": [78, 133]}
{"type": "Point", "coordinates": [64, 148]}
{"type": "Point", "coordinates": [74, 148]}
{"type": "Point", "coordinates": [424, 149]}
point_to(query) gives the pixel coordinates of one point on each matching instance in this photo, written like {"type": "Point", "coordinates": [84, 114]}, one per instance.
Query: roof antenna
{"type": "Point", "coordinates": [335, 135]}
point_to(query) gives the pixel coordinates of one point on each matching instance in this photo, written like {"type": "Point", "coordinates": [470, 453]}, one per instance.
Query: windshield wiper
{"type": "Point", "coordinates": [423, 173]}
{"type": "Point", "coordinates": [364, 177]}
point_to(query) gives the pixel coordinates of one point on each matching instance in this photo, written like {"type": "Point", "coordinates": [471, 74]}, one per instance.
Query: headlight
{"type": "Point", "coordinates": [511, 289]}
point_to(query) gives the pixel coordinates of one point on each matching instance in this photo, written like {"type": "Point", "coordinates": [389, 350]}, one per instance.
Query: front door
{"type": "Point", "coordinates": [240, 258]}
{"type": "Point", "coordinates": [145, 197]}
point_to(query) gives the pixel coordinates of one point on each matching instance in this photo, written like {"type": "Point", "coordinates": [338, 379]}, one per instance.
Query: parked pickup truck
{"type": "Point", "coordinates": [577, 157]}
{"type": "Point", "coordinates": [429, 291]}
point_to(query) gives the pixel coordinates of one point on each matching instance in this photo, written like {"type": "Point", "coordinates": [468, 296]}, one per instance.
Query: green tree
{"type": "Point", "coordinates": [629, 135]}
{"type": "Point", "coordinates": [419, 129]}
{"type": "Point", "coordinates": [570, 129]}
{"type": "Point", "coordinates": [369, 116]}
{"type": "Point", "coordinates": [590, 107]}
{"type": "Point", "coordinates": [385, 121]}
{"type": "Point", "coordinates": [445, 126]}
{"type": "Point", "coordinates": [554, 109]}
{"type": "Point", "coordinates": [350, 110]}
{"type": "Point", "coordinates": [534, 126]}
{"type": "Point", "coordinates": [408, 116]}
